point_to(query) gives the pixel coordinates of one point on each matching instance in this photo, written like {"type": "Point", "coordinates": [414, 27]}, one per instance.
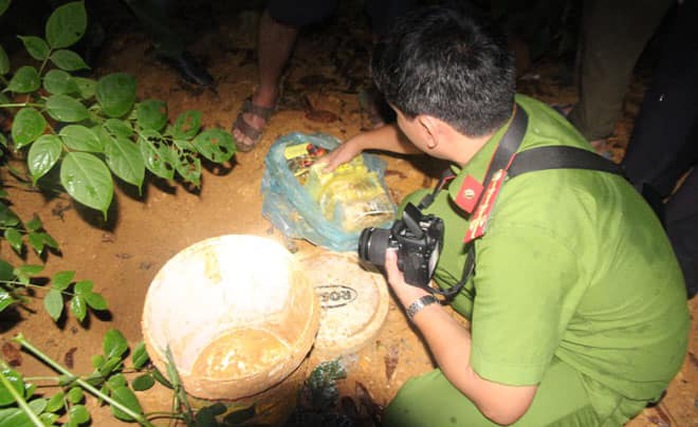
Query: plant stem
{"type": "Point", "coordinates": [20, 104]}
{"type": "Point", "coordinates": [57, 380]}
{"type": "Point", "coordinates": [84, 384]}
{"type": "Point", "coordinates": [19, 399]}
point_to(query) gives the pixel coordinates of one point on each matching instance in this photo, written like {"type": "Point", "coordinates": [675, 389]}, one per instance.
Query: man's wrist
{"type": "Point", "coordinates": [419, 304]}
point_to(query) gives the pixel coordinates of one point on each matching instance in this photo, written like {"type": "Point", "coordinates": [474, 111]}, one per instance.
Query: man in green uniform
{"type": "Point", "coordinates": [577, 307]}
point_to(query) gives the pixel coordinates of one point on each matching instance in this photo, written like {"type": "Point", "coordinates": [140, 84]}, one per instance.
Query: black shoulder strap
{"type": "Point", "coordinates": [561, 157]}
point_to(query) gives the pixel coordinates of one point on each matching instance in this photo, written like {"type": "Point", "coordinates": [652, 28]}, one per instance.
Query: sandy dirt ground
{"type": "Point", "coordinates": [122, 254]}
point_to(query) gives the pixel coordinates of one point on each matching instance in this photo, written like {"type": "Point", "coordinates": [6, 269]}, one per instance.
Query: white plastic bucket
{"type": "Point", "coordinates": [237, 313]}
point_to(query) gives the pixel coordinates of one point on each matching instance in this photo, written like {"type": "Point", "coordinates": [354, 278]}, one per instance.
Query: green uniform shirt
{"type": "Point", "coordinates": [573, 265]}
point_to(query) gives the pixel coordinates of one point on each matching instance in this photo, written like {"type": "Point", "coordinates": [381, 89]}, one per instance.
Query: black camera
{"type": "Point", "coordinates": [418, 239]}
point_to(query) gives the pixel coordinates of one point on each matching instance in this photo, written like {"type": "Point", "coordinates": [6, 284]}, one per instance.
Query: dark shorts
{"type": "Point", "coordinates": [304, 12]}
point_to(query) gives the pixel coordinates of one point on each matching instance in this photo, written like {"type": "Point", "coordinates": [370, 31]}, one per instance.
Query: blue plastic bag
{"type": "Point", "coordinates": [291, 208]}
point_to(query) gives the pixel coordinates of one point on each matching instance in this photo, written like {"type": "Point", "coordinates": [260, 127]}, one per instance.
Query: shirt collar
{"type": "Point", "coordinates": [467, 186]}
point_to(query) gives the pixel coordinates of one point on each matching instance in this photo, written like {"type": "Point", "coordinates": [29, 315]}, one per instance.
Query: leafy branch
{"type": "Point", "coordinates": [93, 129]}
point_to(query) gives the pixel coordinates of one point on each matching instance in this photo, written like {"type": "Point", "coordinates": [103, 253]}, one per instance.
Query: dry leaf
{"type": "Point", "coordinates": [68, 359]}
{"type": "Point", "coordinates": [11, 354]}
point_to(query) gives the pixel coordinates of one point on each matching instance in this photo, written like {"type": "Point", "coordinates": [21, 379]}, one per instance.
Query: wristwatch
{"type": "Point", "coordinates": [419, 304]}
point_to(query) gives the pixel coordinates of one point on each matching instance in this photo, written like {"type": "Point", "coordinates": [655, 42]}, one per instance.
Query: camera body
{"type": "Point", "coordinates": [418, 239]}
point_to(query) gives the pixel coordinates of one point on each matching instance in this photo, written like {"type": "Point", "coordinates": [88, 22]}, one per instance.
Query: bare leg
{"type": "Point", "coordinates": [275, 44]}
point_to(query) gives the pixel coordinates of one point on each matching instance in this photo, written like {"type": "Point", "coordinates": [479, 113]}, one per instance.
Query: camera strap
{"type": "Point", "coordinates": [506, 162]}
{"type": "Point", "coordinates": [501, 160]}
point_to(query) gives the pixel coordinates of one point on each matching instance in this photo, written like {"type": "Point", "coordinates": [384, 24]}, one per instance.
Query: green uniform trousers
{"type": "Point", "coordinates": [430, 400]}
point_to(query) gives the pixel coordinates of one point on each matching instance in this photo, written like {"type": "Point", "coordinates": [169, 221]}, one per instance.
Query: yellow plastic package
{"type": "Point", "coordinates": [327, 209]}
{"type": "Point", "coordinates": [351, 194]}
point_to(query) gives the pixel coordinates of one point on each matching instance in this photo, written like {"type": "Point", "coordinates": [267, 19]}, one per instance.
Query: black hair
{"type": "Point", "coordinates": [449, 63]}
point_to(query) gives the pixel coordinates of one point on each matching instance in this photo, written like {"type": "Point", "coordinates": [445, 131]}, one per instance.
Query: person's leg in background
{"type": "Point", "coordinates": [278, 30]}
{"type": "Point", "coordinates": [681, 216]}
{"type": "Point", "coordinates": [614, 34]}
{"type": "Point", "coordinates": [168, 43]}
{"type": "Point", "coordinates": [381, 14]}
{"type": "Point", "coordinates": [664, 144]}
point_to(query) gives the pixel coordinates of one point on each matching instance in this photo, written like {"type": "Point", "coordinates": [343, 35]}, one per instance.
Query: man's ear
{"type": "Point", "coordinates": [431, 128]}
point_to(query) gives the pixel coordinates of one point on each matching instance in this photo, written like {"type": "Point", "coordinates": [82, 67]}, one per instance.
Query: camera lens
{"type": "Point", "coordinates": [373, 242]}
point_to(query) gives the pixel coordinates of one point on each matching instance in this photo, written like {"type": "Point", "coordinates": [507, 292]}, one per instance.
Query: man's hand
{"type": "Point", "coordinates": [340, 155]}
{"type": "Point", "coordinates": [405, 292]}
{"type": "Point", "coordinates": [386, 138]}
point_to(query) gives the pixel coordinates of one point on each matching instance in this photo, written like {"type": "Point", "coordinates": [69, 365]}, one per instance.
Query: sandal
{"type": "Point", "coordinates": [247, 129]}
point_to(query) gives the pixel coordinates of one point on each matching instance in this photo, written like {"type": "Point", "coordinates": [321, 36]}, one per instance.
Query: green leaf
{"type": "Point", "coordinates": [206, 416]}
{"type": "Point", "coordinates": [159, 377]}
{"type": "Point", "coordinates": [118, 128]}
{"type": "Point", "coordinates": [88, 180]}
{"type": "Point", "coordinates": [29, 269]}
{"type": "Point", "coordinates": [116, 93]}
{"type": "Point", "coordinates": [49, 419]}
{"type": "Point", "coordinates": [26, 79]}
{"type": "Point", "coordinates": [187, 125]}
{"type": "Point", "coordinates": [81, 138]}
{"type": "Point", "coordinates": [4, 62]}
{"type": "Point", "coordinates": [36, 242]}
{"type": "Point", "coordinates": [16, 382]}
{"type": "Point", "coordinates": [78, 307]}
{"type": "Point", "coordinates": [6, 300]}
{"type": "Point", "coordinates": [86, 87]}
{"type": "Point", "coordinates": [36, 46]}
{"type": "Point", "coordinates": [62, 280]}
{"type": "Point", "coordinates": [189, 168]}
{"type": "Point", "coordinates": [34, 224]}
{"type": "Point", "coordinates": [143, 382]}
{"type": "Point", "coordinates": [79, 414]}
{"type": "Point", "coordinates": [27, 126]}
{"type": "Point", "coordinates": [240, 416]}
{"type": "Point", "coordinates": [96, 301]}
{"type": "Point", "coordinates": [75, 395]}
{"type": "Point", "coordinates": [68, 60]}
{"type": "Point", "coordinates": [15, 417]}
{"type": "Point", "coordinates": [124, 159]}
{"type": "Point", "coordinates": [29, 390]}
{"type": "Point", "coordinates": [6, 271]}
{"type": "Point", "coordinates": [117, 380]}
{"type": "Point", "coordinates": [14, 238]}
{"type": "Point", "coordinates": [156, 154]}
{"type": "Point", "coordinates": [97, 361]}
{"type": "Point", "coordinates": [183, 145]}
{"type": "Point", "coordinates": [38, 405]}
{"type": "Point", "coordinates": [215, 144]}
{"type": "Point", "coordinates": [83, 287]}
{"type": "Point", "coordinates": [47, 240]}
{"type": "Point", "coordinates": [66, 109]}
{"type": "Point", "coordinates": [140, 356]}
{"type": "Point", "coordinates": [66, 25]}
{"type": "Point", "coordinates": [58, 82]}
{"type": "Point", "coordinates": [152, 114]}
{"type": "Point", "coordinates": [112, 365]}
{"type": "Point", "coordinates": [126, 397]}
{"type": "Point", "coordinates": [55, 403]}
{"type": "Point", "coordinates": [114, 344]}
{"type": "Point", "coordinates": [4, 4]}
{"type": "Point", "coordinates": [7, 216]}
{"type": "Point", "coordinates": [53, 303]}
{"type": "Point", "coordinates": [43, 155]}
